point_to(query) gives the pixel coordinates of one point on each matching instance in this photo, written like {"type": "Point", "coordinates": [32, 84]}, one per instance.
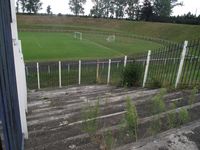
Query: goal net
{"type": "Point", "coordinates": [78, 35]}
{"type": "Point", "coordinates": [111, 38]}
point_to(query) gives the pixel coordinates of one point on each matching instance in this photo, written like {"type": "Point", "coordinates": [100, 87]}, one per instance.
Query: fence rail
{"type": "Point", "coordinates": [176, 65]}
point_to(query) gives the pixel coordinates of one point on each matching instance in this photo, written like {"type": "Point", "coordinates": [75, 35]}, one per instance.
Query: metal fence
{"type": "Point", "coordinates": [176, 65]}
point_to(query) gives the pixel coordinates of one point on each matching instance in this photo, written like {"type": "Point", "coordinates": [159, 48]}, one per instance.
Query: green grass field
{"type": "Point", "coordinates": [49, 46]}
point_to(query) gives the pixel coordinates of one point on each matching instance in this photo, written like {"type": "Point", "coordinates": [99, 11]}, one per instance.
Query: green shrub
{"type": "Point", "coordinates": [193, 96]}
{"type": "Point", "coordinates": [155, 83]}
{"type": "Point", "coordinates": [183, 116]}
{"type": "Point", "coordinates": [131, 118]}
{"type": "Point", "coordinates": [131, 75]}
{"type": "Point", "coordinates": [171, 117]}
{"type": "Point", "coordinates": [158, 104]}
{"type": "Point", "coordinates": [156, 124]}
{"type": "Point", "coordinates": [90, 124]}
{"type": "Point", "coordinates": [108, 141]}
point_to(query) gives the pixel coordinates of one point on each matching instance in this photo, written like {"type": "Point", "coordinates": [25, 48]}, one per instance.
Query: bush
{"type": "Point", "coordinates": [131, 75]}
{"type": "Point", "coordinates": [131, 118]}
{"type": "Point", "coordinates": [90, 124]}
{"type": "Point", "coordinates": [193, 96]}
{"type": "Point", "coordinates": [183, 116]}
{"type": "Point", "coordinates": [158, 104]}
{"type": "Point", "coordinates": [171, 117]}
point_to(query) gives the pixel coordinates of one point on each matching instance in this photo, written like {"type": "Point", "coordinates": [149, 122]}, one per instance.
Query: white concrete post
{"type": "Point", "coordinates": [68, 67]}
{"type": "Point", "coordinates": [109, 66]}
{"type": "Point", "coordinates": [181, 63]}
{"type": "Point", "coordinates": [125, 61]}
{"type": "Point", "coordinates": [60, 75]}
{"type": "Point", "coordinates": [79, 73]}
{"type": "Point", "coordinates": [38, 75]}
{"type": "Point", "coordinates": [97, 73]}
{"type": "Point", "coordinates": [27, 73]}
{"type": "Point", "coordinates": [49, 69]}
{"type": "Point", "coordinates": [147, 68]}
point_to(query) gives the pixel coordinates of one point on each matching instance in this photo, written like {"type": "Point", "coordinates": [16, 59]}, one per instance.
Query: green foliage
{"type": "Point", "coordinates": [158, 104]}
{"type": "Point", "coordinates": [76, 6]}
{"type": "Point", "coordinates": [131, 118]}
{"type": "Point", "coordinates": [183, 116]}
{"type": "Point", "coordinates": [109, 141]}
{"type": "Point", "coordinates": [155, 83]}
{"type": "Point", "coordinates": [171, 117]}
{"type": "Point", "coordinates": [90, 123]}
{"type": "Point", "coordinates": [131, 75]}
{"type": "Point", "coordinates": [156, 124]}
{"type": "Point", "coordinates": [193, 96]}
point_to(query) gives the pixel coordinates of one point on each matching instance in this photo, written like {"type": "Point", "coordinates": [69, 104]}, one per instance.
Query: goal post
{"type": "Point", "coordinates": [78, 35]}
{"type": "Point", "coordinates": [111, 38]}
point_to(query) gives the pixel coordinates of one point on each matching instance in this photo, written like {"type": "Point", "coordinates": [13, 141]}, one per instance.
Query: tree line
{"type": "Point", "coordinates": [148, 10]}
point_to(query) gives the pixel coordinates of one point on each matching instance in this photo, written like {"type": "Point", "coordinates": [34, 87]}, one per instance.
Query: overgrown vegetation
{"type": "Point", "coordinates": [192, 97]}
{"type": "Point", "coordinates": [131, 75]}
{"type": "Point", "coordinates": [158, 106]}
{"type": "Point", "coordinates": [90, 113]}
{"type": "Point", "coordinates": [171, 117]}
{"type": "Point", "coordinates": [131, 118]}
{"type": "Point", "coordinates": [183, 116]}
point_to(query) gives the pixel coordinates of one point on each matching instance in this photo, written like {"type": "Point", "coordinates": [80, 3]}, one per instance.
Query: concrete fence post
{"type": "Point", "coordinates": [109, 67]}
{"type": "Point", "coordinates": [79, 73]}
{"type": "Point", "coordinates": [125, 61]}
{"type": "Point", "coordinates": [147, 68]}
{"type": "Point", "coordinates": [27, 72]}
{"type": "Point", "coordinates": [38, 75]}
{"type": "Point", "coordinates": [49, 69]}
{"type": "Point", "coordinates": [68, 67]}
{"type": "Point", "coordinates": [97, 73]}
{"type": "Point", "coordinates": [181, 63]}
{"type": "Point", "coordinates": [60, 74]}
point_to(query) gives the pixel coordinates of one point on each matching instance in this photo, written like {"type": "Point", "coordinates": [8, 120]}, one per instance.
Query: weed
{"type": "Point", "coordinates": [193, 96]}
{"type": "Point", "coordinates": [131, 118]}
{"type": "Point", "coordinates": [183, 116]}
{"type": "Point", "coordinates": [156, 124]}
{"type": "Point", "coordinates": [90, 124]}
{"type": "Point", "coordinates": [131, 75]}
{"type": "Point", "coordinates": [158, 104]}
{"type": "Point", "coordinates": [171, 117]}
{"type": "Point", "coordinates": [108, 141]}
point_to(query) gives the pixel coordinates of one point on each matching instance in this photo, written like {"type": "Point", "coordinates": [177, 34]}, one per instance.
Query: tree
{"type": "Point", "coordinates": [147, 10]}
{"type": "Point", "coordinates": [163, 8]}
{"type": "Point", "coordinates": [119, 8]}
{"type": "Point", "coordinates": [33, 6]}
{"type": "Point", "coordinates": [76, 6]}
{"type": "Point", "coordinates": [23, 5]}
{"type": "Point", "coordinates": [17, 6]}
{"type": "Point", "coordinates": [103, 8]}
{"type": "Point", "coordinates": [132, 9]}
{"type": "Point", "coordinates": [49, 12]}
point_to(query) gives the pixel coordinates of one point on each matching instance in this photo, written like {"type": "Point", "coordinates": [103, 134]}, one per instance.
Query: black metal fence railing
{"type": "Point", "coordinates": [168, 66]}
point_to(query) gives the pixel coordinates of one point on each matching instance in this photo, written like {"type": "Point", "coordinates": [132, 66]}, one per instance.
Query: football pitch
{"type": "Point", "coordinates": [53, 46]}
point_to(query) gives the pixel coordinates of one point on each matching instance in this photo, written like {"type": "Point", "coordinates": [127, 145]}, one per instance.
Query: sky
{"type": "Point", "coordinates": [61, 6]}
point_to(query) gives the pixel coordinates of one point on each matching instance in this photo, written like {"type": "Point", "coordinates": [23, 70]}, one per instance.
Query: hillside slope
{"type": "Point", "coordinates": [173, 32]}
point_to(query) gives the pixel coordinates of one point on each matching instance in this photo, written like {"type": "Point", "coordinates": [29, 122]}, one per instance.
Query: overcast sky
{"type": "Point", "coordinates": [61, 6]}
